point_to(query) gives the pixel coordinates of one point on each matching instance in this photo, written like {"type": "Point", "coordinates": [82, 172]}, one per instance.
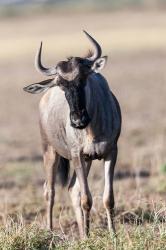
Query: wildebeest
{"type": "Point", "coordinates": [80, 120]}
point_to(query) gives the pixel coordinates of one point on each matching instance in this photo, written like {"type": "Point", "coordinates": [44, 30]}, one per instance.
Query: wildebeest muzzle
{"type": "Point", "coordinates": [79, 120]}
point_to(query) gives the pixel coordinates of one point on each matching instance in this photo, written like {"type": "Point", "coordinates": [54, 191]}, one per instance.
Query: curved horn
{"type": "Point", "coordinates": [40, 67]}
{"type": "Point", "coordinates": [98, 51]}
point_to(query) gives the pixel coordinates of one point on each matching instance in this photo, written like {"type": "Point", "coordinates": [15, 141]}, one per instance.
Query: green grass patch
{"type": "Point", "coordinates": [18, 236]}
{"type": "Point", "coordinates": [163, 168]}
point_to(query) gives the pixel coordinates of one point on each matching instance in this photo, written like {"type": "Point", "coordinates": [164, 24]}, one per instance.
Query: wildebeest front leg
{"type": "Point", "coordinates": [51, 160]}
{"type": "Point", "coordinates": [86, 198]}
{"type": "Point", "coordinates": [108, 197]}
{"type": "Point", "coordinates": [74, 190]}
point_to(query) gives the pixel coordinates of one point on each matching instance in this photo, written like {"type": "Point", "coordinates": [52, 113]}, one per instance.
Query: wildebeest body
{"type": "Point", "coordinates": [96, 140]}
{"type": "Point", "coordinates": [80, 120]}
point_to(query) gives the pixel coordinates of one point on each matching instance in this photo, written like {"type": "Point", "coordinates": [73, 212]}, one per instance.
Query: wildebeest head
{"type": "Point", "coordinates": [71, 77]}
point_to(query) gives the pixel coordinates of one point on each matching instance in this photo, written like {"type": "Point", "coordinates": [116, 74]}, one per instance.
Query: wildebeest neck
{"type": "Point", "coordinates": [99, 106]}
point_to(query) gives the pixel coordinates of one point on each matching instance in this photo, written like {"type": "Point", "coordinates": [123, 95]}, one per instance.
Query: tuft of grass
{"type": "Point", "coordinates": [18, 236]}
{"type": "Point", "coordinates": [128, 238]}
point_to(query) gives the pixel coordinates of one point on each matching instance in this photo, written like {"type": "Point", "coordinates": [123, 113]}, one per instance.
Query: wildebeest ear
{"type": "Point", "coordinates": [39, 87]}
{"type": "Point", "coordinates": [99, 64]}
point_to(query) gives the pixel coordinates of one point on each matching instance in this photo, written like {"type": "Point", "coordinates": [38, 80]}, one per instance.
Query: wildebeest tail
{"type": "Point", "coordinates": [63, 170]}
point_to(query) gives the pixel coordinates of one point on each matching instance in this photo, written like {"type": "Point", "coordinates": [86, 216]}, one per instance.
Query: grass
{"type": "Point", "coordinates": [134, 238]}
{"type": "Point", "coordinates": [139, 225]}
{"type": "Point", "coordinates": [18, 236]}
{"type": "Point", "coordinates": [163, 169]}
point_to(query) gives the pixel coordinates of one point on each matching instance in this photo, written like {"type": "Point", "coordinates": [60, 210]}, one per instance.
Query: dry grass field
{"type": "Point", "coordinates": [136, 70]}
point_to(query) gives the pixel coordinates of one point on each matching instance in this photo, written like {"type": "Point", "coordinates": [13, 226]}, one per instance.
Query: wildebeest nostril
{"type": "Point", "coordinates": [77, 121]}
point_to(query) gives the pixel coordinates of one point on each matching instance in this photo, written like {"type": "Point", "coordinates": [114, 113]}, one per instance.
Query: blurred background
{"type": "Point", "coordinates": [133, 35]}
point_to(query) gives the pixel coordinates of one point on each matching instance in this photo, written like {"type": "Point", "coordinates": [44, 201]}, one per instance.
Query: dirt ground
{"type": "Point", "coordinates": [136, 45]}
